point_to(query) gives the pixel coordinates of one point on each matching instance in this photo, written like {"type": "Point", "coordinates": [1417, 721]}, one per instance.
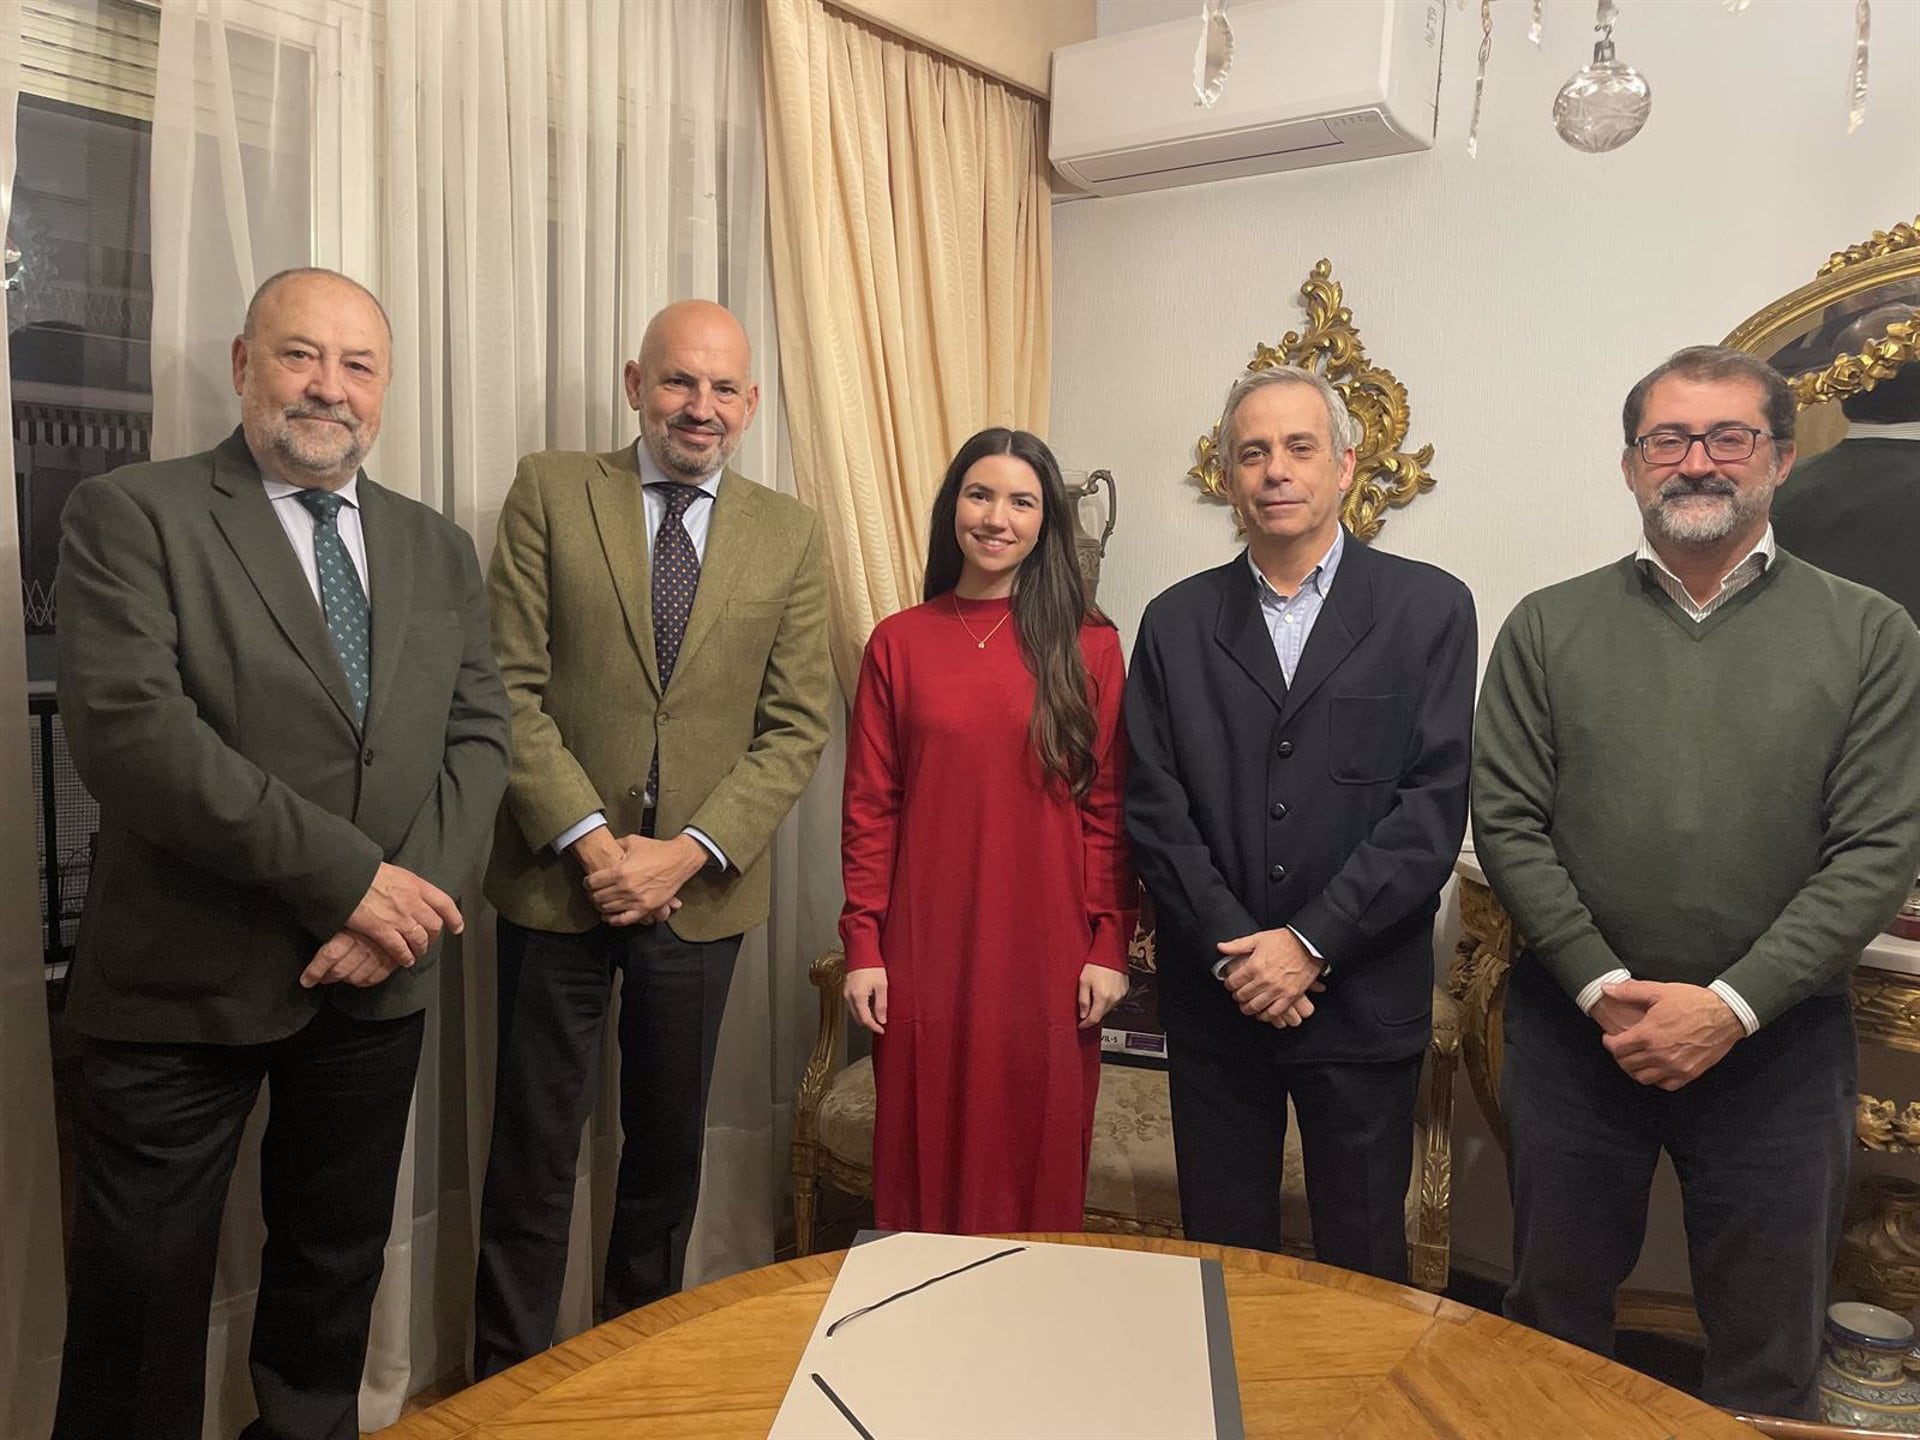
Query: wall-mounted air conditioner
{"type": "Point", "coordinates": [1313, 82]}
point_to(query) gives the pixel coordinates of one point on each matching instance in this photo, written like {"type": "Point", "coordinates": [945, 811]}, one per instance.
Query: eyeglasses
{"type": "Point", "coordinates": [1723, 442]}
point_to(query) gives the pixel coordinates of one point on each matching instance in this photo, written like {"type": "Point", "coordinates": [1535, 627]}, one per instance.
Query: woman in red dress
{"type": "Point", "coordinates": [989, 896]}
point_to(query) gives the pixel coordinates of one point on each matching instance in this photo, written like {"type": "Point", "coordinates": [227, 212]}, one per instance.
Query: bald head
{"type": "Point", "coordinates": [305, 274]}
{"type": "Point", "coordinates": [692, 387]}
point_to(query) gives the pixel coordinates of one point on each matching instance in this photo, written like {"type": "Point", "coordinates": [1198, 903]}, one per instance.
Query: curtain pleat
{"type": "Point", "coordinates": [911, 256]}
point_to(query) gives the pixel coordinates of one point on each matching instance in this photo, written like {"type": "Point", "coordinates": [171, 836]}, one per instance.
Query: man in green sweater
{"type": "Point", "coordinates": [1697, 793]}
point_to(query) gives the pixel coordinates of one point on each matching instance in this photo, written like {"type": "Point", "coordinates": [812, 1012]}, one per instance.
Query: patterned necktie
{"type": "Point", "coordinates": [341, 598]}
{"type": "Point", "coordinates": [676, 575]}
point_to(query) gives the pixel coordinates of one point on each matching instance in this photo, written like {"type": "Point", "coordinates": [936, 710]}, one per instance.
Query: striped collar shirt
{"type": "Point", "coordinates": [1290, 618]}
{"type": "Point", "coordinates": [1750, 569]}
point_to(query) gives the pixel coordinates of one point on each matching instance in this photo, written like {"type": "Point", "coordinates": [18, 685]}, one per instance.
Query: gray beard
{"type": "Point", "coordinates": [1694, 526]}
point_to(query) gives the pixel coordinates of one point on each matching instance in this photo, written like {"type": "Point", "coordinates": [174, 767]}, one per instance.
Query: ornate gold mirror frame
{"type": "Point", "coordinates": [1880, 272]}
{"type": "Point", "coordinates": [1384, 475]}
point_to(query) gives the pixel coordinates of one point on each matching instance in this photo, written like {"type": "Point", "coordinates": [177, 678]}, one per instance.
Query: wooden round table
{"type": "Point", "coordinates": [1320, 1352]}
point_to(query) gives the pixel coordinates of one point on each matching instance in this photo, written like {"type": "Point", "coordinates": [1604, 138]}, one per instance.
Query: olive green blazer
{"type": "Point", "coordinates": [739, 729]}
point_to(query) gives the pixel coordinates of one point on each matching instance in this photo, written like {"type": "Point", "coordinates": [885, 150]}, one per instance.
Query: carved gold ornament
{"type": "Point", "coordinates": [1888, 257]}
{"type": "Point", "coordinates": [1384, 475]}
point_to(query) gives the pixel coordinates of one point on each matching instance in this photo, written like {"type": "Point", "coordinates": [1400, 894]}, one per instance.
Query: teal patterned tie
{"type": "Point", "coordinates": [341, 598]}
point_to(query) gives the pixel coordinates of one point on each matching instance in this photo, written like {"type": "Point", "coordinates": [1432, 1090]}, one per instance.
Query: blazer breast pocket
{"type": "Point", "coordinates": [1367, 737]}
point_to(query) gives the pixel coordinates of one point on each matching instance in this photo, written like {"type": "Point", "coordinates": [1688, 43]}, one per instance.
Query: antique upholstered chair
{"type": "Point", "coordinates": [1130, 1185]}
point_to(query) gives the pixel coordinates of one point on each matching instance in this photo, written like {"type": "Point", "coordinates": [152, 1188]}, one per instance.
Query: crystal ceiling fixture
{"type": "Point", "coordinates": [1606, 102]}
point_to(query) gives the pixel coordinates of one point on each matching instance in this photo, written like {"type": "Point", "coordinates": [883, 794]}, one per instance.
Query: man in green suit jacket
{"type": "Point", "coordinates": [661, 625]}
{"type": "Point", "coordinates": [275, 678]}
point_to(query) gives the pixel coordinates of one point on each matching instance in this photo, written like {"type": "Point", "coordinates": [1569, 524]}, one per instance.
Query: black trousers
{"type": "Point", "coordinates": [157, 1129]}
{"type": "Point", "coordinates": [554, 992]}
{"type": "Point", "coordinates": [1356, 1142]}
{"type": "Point", "coordinates": [1761, 1143]}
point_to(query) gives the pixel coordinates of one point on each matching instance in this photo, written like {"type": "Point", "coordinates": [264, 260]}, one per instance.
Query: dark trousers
{"type": "Point", "coordinates": [554, 992]}
{"type": "Point", "coordinates": [1356, 1142]}
{"type": "Point", "coordinates": [157, 1129]}
{"type": "Point", "coordinates": [1761, 1144]}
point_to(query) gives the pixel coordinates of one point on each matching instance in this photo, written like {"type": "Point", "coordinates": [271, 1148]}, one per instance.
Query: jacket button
{"type": "Point", "coordinates": [1277, 872]}
{"type": "Point", "coordinates": [366, 756]}
{"type": "Point", "coordinates": [664, 717]}
{"type": "Point", "coordinates": [1283, 749]}
{"type": "Point", "coordinates": [634, 792]}
{"type": "Point", "coordinates": [1279, 811]}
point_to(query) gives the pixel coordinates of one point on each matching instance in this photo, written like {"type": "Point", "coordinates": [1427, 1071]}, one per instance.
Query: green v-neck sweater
{"type": "Point", "coordinates": [1736, 798]}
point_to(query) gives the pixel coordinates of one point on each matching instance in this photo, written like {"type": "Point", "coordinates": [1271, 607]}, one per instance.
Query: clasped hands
{"type": "Point", "coordinates": [1270, 975]}
{"type": "Point", "coordinates": [1665, 1034]}
{"type": "Point", "coordinates": [633, 880]}
{"type": "Point", "coordinates": [392, 926]}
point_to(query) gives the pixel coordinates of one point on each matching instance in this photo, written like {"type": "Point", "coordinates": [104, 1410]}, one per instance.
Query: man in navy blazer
{"type": "Point", "coordinates": [1301, 722]}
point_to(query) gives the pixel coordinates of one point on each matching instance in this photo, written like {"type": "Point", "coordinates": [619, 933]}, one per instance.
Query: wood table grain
{"type": "Point", "coordinates": [1320, 1352]}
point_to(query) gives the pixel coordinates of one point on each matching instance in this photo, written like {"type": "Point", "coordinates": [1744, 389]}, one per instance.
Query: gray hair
{"type": "Point", "coordinates": [1342, 428]}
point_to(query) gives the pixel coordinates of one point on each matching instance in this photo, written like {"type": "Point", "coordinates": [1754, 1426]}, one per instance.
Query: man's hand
{"type": "Point", "coordinates": [1686, 1031]}
{"type": "Point", "coordinates": [866, 994]}
{"type": "Point", "coordinates": [1100, 990]}
{"type": "Point", "coordinates": [401, 914]}
{"type": "Point", "coordinates": [347, 959]}
{"type": "Point", "coordinates": [1613, 1015]}
{"type": "Point", "coordinates": [1269, 974]}
{"type": "Point", "coordinates": [643, 884]}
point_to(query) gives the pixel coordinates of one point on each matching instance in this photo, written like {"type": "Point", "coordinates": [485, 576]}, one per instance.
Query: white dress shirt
{"type": "Point", "coordinates": [300, 524]}
{"type": "Point", "coordinates": [698, 519]}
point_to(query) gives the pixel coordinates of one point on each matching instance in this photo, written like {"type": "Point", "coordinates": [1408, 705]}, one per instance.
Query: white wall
{"type": "Point", "coordinates": [1518, 296]}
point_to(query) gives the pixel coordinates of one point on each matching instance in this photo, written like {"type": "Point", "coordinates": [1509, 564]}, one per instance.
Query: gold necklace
{"type": "Point", "coordinates": [979, 641]}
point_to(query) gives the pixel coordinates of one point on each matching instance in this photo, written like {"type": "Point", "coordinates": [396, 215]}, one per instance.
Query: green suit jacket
{"type": "Point", "coordinates": [739, 729]}
{"type": "Point", "coordinates": [242, 811]}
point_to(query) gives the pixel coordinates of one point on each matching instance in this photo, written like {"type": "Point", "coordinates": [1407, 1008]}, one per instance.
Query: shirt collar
{"type": "Point", "coordinates": [1320, 577]}
{"type": "Point", "coordinates": [1904, 430]}
{"type": "Point", "coordinates": [1764, 547]}
{"type": "Point", "coordinates": [280, 489]}
{"type": "Point", "coordinates": [652, 474]}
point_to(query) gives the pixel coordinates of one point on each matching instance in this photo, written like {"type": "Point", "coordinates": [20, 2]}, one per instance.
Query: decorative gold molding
{"type": "Point", "coordinates": [1887, 257]}
{"type": "Point", "coordinates": [1880, 1248]}
{"type": "Point", "coordinates": [1886, 1008]}
{"type": "Point", "coordinates": [1878, 1127]}
{"type": "Point", "coordinates": [1882, 242]}
{"type": "Point", "coordinates": [1384, 476]}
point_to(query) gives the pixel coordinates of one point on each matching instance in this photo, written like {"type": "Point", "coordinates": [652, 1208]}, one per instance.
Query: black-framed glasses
{"type": "Point", "coordinates": [1723, 442]}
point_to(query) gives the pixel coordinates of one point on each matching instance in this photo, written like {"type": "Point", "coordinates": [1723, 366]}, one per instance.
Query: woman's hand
{"type": "Point", "coordinates": [866, 994]}
{"type": "Point", "coordinates": [1100, 990]}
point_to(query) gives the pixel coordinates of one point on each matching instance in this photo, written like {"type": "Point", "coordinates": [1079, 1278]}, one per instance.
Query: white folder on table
{"type": "Point", "coordinates": [1047, 1341]}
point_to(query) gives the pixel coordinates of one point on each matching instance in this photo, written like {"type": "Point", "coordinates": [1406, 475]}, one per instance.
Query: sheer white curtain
{"type": "Point", "coordinates": [523, 185]}
{"type": "Point", "coordinates": [32, 1307]}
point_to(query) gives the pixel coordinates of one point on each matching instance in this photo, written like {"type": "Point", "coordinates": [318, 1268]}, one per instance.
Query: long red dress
{"type": "Point", "coordinates": [984, 888]}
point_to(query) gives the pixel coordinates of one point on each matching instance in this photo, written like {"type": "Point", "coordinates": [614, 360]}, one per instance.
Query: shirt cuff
{"type": "Point", "coordinates": [1590, 996]}
{"type": "Point", "coordinates": [1737, 1003]}
{"type": "Point", "coordinates": [706, 842]}
{"type": "Point", "coordinates": [1313, 950]}
{"type": "Point", "coordinates": [572, 833]}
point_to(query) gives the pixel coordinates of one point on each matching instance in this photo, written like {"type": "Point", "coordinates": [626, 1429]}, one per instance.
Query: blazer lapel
{"type": "Point", "coordinates": [1241, 631]}
{"type": "Point", "coordinates": [389, 586]}
{"type": "Point", "coordinates": [1344, 620]}
{"type": "Point", "coordinates": [729, 555]}
{"type": "Point", "coordinates": [245, 517]}
{"type": "Point", "coordinates": [620, 512]}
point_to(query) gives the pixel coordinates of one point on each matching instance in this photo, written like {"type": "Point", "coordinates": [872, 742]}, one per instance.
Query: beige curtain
{"type": "Point", "coordinates": [912, 251]}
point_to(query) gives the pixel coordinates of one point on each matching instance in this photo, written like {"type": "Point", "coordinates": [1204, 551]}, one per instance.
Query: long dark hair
{"type": "Point", "coordinates": [1049, 603]}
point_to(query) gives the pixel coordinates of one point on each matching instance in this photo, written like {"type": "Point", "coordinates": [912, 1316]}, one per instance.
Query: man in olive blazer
{"type": "Point", "coordinates": [661, 623]}
{"type": "Point", "coordinates": [288, 789]}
